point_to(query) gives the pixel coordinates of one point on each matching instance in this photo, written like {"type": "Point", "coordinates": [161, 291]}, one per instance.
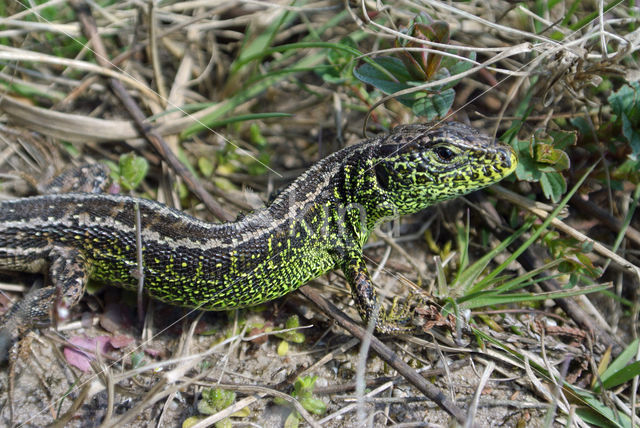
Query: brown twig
{"type": "Point", "coordinates": [91, 32]}
{"type": "Point", "coordinates": [607, 219]}
{"type": "Point", "coordinates": [530, 262]}
{"type": "Point", "coordinates": [390, 357]}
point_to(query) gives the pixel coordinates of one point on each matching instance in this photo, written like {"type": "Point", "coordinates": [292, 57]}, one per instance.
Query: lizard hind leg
{"type": "Point", "coordinates": [86, 178]}
{"type": "Point", "coordinates": [68, 275]}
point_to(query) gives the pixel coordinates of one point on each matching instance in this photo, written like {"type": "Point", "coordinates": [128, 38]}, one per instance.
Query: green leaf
{"type": "Point", "coordinates": [133, 169]}
{"type": "Point", "coordinates": [595, 417]}
{"type": "Point", "coordinates": [632, 136]}
{"type": "Point", "coordinates": [205, 166]}
{"type": "Point", "coordinates": [341, 63]}
{"type": "Point", "coordinates": [455, 66]}
{"type": "Point", "coordinates": [628, 170]}
{"type": "Point", "coordinates": [214, 121]}
{"type": "Point", "coordinates": [527, 168]}
{"type": "Point", "coordinates": [613, 418]}
{"type": "Point", "coordinates": [292, 322]}
{"type": "Point", "coordinates": [556, 160]}
{"type": "Point", "coordinates": [137, 359]}
{"type": "Point", "coordinates": [283, 348]}
{"type": "Point", "coordinates": [313, 405]}
{"type": "Point", "coordinates": [626, 99]}
{"type": "Point", "coordinates": [292, 421]}
{"type": "Point", "coordinates": [584, 127]}
{"type": "Point", "coordinates": [535, 235]}
{"type": "Point", "coordinates": [256, 136]}
{"type": "Point", "coordinates": [625, 103]}
{"type": "Point", "coordinates": [304, 385]}
{"type": "Point", "coordinates": [191, 421]}
{"type": "Point", "coordinates": [434, 106]}
{"type": "Point", "coordinates": [553, 185]}
{"type": "Point", "coordinates": [545, 153]}
{"type": "Point", "coordinates": [563, 139]}
{"type": "Point", "coordinates": [623, 375]}
{"type": "Point", "coordinates": [621, 361]}
{"type": "Point", "coordinates": [367, 73]}
{"type": "Point", "coordinates": [467, 278]}
{"type": "Point", "coordinates": [257, 39]}
{"type": "Point", "coordinates": [214, 400]}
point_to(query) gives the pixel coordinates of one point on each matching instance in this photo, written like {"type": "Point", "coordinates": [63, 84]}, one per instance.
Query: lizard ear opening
{"type": "Point", "coordinates": [387, 150]}
{"type": "Point", "coordinates": [382, 175]}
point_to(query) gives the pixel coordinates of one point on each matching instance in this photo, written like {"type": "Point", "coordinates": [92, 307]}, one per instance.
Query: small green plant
{"type": "Point", "coordinates": [572, 256]}
{"type": "Point", "coordinates": [214, 400]}
{"type": "Point", "coordinates": [294, 336]}
{"type": "Point", "coordinates": [130, 171]}
{"type": "Point", "coordinates": [542, 158]}
{"type": "Point", "coordinates": [303, 392]}
{"type": "Point", "coordinates": [418, 64]}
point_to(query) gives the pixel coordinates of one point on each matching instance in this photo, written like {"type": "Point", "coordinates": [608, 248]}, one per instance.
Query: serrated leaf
{"type": "Point", "coordinates": [434, 106]}
{"type": "Point", "coordinates": [547, 154]}
{"type": "Point", "coordinates": [563, 139]}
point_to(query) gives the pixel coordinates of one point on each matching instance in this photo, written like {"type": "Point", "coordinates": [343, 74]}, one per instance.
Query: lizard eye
{"type": "Point", "coordinates": [444, 153]}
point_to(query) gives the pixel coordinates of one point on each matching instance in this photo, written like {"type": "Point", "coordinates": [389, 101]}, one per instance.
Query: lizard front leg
{"type": "Point", "coordinates": [367, 301]}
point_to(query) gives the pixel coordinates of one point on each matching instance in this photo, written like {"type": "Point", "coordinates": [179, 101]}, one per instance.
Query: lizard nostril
{"type": "Point", "coordinates": [507, 154]}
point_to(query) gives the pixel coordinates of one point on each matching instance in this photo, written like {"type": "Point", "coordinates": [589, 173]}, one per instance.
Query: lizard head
{"type": "Point", "coordinates": [418, 165]}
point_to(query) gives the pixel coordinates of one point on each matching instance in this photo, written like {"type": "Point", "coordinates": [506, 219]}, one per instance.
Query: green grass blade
{"type": "Point", "coordinates": [618, 367]}
{"type": "Point", "coordinates": [257, 47]}
{"type": "Point", "coordinates": [623, 375]}
{"type": "Point", "coordinates": [463, 246]}
{"type": "Point", "coordinates": [534, 236]}
{"type": "Point", "coordinates": [494, 299]}
{"type": "Point", "coordinates": [466, 279]}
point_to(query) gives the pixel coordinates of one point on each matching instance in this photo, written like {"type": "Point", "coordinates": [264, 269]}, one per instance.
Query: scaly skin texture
{"type": "Point", "coordinates": [317, 224]}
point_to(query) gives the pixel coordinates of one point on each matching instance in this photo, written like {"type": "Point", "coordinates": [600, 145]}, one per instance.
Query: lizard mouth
{"type": "Point", "coordinates": [509, 159]}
